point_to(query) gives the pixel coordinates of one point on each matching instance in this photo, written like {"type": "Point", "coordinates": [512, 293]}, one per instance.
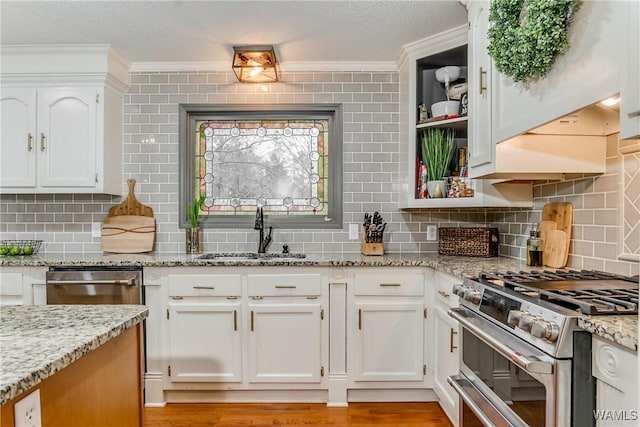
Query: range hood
{"type": "Point", "coordinates": [573, 144]}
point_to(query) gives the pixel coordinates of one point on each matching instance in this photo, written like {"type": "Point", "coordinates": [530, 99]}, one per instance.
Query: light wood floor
{"type": "Point", "coordinates": [299, 414]}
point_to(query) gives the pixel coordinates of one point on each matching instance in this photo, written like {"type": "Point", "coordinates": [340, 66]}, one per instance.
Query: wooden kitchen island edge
{"type": "Point", "coordinates": [101, 388]}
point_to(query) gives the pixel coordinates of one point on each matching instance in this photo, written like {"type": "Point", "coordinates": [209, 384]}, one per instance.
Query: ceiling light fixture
{"type": "Point", "coordinates": [255, 64]}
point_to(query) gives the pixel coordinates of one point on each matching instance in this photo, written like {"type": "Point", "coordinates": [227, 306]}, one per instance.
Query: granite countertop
{"type": "Point", "coordinates": [38, 341]}
{"type": "Point", "coordinates": [619, 329]}
{"type": "Point", "coordinates": [622, 330]}
{"type": "Point", "coordinates": [454, 265]}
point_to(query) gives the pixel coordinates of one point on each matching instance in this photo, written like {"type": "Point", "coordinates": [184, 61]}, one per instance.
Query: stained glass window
{"type": "Point", "coordinates": [281, 162]}
{"type": "Point", "coordinates": [278, 164]}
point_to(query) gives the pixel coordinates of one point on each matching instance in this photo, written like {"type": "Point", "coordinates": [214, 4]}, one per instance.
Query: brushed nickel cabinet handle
{"type": "Point", "coordinates": [29, 141]}
{"type": "Point", "coordinates": [482, 85]}
{"type": "Point", "coordinates": [444, 294]}
{"type": "Point", "coordinates": [204, 287]}
{"type": "Point", "coordinates": [451, 346]}
{"type": "Point", "coordinates": [390, 284]}
{"type": "Point", "coordinates": [286, 286]}
{"type": "Point", "coordinates": [42, 138]}
{"type": "Point", "coordinates": [359, 318]}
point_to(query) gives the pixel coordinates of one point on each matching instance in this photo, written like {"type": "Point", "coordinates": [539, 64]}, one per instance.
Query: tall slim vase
{"type": "Point", "coordinates": [193, 240]}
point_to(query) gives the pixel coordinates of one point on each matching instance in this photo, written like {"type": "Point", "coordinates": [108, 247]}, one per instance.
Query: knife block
{"type": "Point", "coordinates": [370, 248]}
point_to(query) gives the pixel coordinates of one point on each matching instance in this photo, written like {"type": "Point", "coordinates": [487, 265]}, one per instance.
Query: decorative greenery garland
{"type": "Point", "coordinates": [526, 36]}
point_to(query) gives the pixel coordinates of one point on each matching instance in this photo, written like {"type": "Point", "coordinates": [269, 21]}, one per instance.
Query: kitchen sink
{"type": "Point", "coordinates": [243, 256]}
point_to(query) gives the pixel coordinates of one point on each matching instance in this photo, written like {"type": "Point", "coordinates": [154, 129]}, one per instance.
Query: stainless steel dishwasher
{"type": "Point", "coordinates": [94, 285]}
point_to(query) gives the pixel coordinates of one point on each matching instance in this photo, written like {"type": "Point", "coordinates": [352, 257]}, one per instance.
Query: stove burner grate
{"type": "Point", "coordinates": [587, 291]}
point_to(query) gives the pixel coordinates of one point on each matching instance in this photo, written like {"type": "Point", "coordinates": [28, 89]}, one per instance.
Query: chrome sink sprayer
{"type": "Point", "coordinates": [263, 242]}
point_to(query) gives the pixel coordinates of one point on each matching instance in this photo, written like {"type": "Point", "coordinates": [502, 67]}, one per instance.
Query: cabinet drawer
{"type": "Point", "coordinates": [389, 284]}
{"type": "Point", "coordinates": [205, 285]}
{"type": "Point", "coordinates": [11, 284]}
{"type": "Point", "coordinates": [443, 288]}
{"type": "Point", "coordinates": [284, 284]}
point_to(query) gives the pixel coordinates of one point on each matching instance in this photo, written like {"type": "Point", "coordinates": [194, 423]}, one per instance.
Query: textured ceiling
{"type": "Point", "coordinates": [186, 31]}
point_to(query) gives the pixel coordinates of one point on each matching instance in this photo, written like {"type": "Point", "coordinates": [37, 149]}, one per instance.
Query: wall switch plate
{"type": "Point", "coordinates": [26, 412]}
{"type": "Point", "coordinates": [354, 230]}
{"type": "Point", "coordinates": [432, 233]}
{"type": "Point", "coordinates": [96, 229]}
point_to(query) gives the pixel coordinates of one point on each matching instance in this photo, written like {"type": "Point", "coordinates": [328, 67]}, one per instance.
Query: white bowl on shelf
{"type": "Point", "coordinates": [448, 74]}
{"type": "Point", "coordinates": [445, 108]}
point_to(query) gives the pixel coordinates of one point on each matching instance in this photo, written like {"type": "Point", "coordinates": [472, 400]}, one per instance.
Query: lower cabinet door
{"type": "Point", "coordinates": [387, 341]}
{"type": "Point", "coordinates": [285, 343]}
{"type": "Point", "coordinates": [446, 361]}
{"type": "Point", "coordinates": [205, 342]}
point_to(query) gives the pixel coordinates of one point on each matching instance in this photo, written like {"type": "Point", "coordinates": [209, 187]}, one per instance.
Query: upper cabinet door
{"type": "Point", "coordinates": [630, 93]}
{"type": "Point", "coordinates": [67, 137]}
{"type": "Point", "coordinates": [18, 143]}
{"type": "Point", "coordinates": [481, 147]}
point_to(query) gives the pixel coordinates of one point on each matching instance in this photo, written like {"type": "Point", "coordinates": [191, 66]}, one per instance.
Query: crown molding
{"type": "Point", "coordinates": [224, 66]}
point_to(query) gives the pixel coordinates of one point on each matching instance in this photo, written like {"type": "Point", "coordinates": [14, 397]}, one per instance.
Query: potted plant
{"type": "Point", "coordinates": [437, 148]}
{"type": "Point", "coordinates": [193, 241]}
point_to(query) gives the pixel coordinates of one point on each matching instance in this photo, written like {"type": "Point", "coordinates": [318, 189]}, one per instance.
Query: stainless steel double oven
{"type": "Point", "coordinates": [524, 360]}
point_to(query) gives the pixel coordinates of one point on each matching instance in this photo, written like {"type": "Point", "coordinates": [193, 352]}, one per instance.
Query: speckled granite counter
{"type": "Point", "coordinates": [457, 266]}
{"type": "Point", "coordinates": [622, 330]}
{"type": "Point", "coordinates": [38, 341]}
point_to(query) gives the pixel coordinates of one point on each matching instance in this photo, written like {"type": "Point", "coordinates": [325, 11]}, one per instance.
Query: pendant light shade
{"type": "Point", "coordinates": [255, 64]}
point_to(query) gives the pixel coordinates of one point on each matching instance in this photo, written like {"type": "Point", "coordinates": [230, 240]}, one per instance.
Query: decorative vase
{"type": "Point", "coordinates": [193, 241]}
{"type": "Point", "coordinates": [436, 189]}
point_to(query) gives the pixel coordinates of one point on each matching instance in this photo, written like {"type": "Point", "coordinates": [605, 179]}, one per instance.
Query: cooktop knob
{"type": "Point", "coordinates": [545, 329]}
{"type": "Point", "coordinates": [473, 296]}
{"type": "Point", "coordinates": [513, 318]}
{"type": "Point", "coordinates": [458, 289]}
{"type": "Point", "coordinates": [526, 320]}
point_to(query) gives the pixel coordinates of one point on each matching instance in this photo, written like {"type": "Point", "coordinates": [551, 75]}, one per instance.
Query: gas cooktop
{"type": "Point", "coordinates": [586, 291]}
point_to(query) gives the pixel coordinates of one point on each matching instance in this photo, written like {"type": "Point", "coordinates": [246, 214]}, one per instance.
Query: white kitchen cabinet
{"type": "Point", "coordinates": [616, 371]}
{"type": "Point", "coordinates": [205, 335]}
{"type": "Point", "coordinates": [205, 342]}
{"type": "Point", "coordinates": [17, 285]}
{"type": "Point", "coordinates": [446, 358]}
{"type": "Point", "coordinates": [501, 111]}
{"type": "Point", "coordinates": [285, 338]}
{"type": "Point", "coordinates": [62, 120]}
{"type": "Point", "coordinates": [285, 342]}
{"type": "Point", "coordinates": [417, 64]}
{"type": "Point", "coordinates": [58, 150]}
{"type": "Point", "coordinates": [386, 331]}
{"type": "Point", "coordinates": [630, 92]}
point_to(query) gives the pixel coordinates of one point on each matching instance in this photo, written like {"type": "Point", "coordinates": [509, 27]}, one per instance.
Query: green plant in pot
{"type": "Point", "coordinates": [192, 237]}
{"type": "Point", "coordinates": [437, 149]}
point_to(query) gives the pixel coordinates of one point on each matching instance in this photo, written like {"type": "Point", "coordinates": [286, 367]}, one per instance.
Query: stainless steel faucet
{"type": "Point", "coordinates": [263, 242]}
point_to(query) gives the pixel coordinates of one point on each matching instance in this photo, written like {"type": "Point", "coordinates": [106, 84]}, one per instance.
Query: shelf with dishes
{"type": "Point", "coordinates": [436, 80]}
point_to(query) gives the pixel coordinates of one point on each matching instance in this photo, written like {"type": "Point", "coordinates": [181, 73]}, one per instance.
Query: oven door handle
{"type": "Point", "coordinates": [533, 366]}
{"type": "Point", "coordinates": [487, 412]}
{"type": "Point", "coordinates": [127, 282]}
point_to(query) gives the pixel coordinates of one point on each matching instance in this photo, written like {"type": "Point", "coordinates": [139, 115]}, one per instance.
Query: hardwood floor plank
{"type": "Point", "coordinates": [295, 414]}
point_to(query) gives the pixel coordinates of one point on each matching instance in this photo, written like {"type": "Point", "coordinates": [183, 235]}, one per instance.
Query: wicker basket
{"type": "Point", "coordinates": [468, 241]}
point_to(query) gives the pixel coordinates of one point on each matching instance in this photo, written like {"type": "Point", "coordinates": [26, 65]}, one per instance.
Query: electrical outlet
{"type": "Point", "coordinates": [26, 412]}
{"type": "Point", "coordinates": [96, 229]}
{"type": "Point", "coordinates": [432, 233]}
{"type": "Point", "coordinates": [354, 230]}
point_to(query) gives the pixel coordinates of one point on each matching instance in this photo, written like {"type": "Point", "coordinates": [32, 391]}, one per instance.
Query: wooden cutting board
{"type": "Point", "coordinates": [131, 205]}
{"type": "Point", "coordinates": [130, 227]}
{"type": "Point", "coordinates": [128, 234]}
{"type": "Point", "coordinates": [556, 244]}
